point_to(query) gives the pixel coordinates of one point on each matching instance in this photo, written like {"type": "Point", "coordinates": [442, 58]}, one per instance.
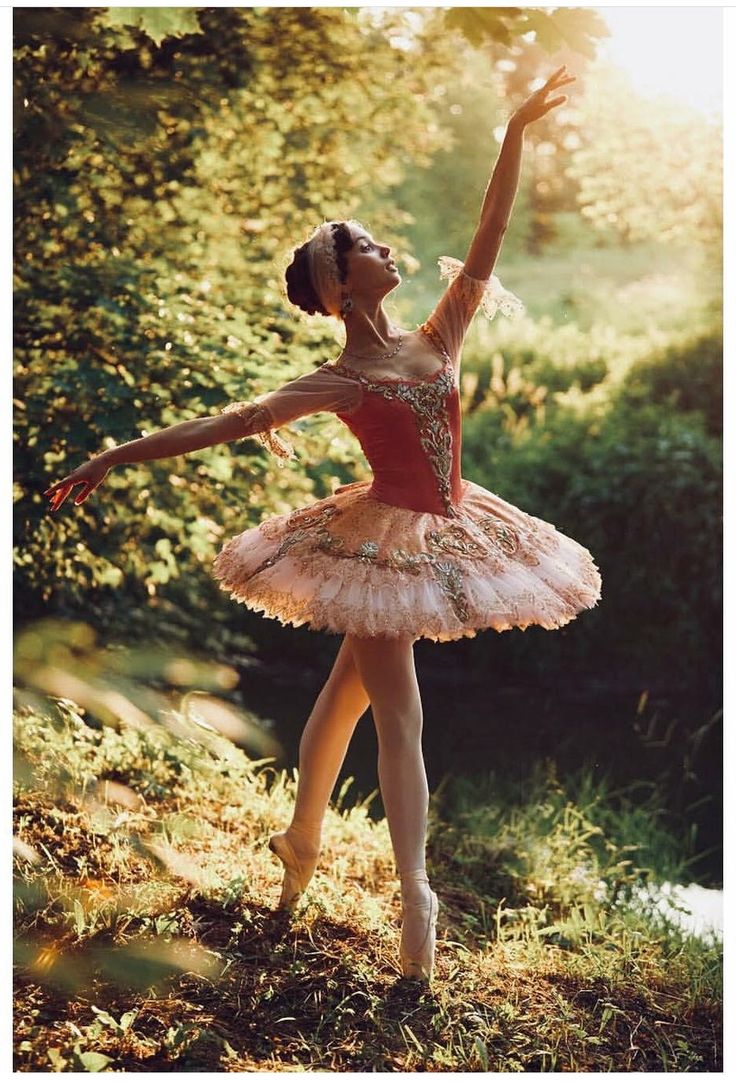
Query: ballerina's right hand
{"type": "Point", "coordinates": [90, 476]}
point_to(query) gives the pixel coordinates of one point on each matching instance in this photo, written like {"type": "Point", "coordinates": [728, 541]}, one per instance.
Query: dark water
{"type": "Point", "coordinates": [474, 726]}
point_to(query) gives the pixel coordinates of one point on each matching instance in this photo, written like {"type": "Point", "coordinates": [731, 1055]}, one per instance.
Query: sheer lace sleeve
{"type": "Point", "coordinates": [457, 305]}
{"type": "Point", "coordinates": [312, 393]}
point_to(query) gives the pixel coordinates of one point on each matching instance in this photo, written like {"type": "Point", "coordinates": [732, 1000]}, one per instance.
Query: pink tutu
{"type": "Point", "coordinates": [351, 563]}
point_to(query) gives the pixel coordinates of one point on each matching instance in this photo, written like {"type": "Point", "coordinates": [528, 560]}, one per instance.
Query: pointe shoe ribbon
{"type": "Point", "coordinates": [297, 874]}
{"type": "Point", "coordinates": [420, 964]}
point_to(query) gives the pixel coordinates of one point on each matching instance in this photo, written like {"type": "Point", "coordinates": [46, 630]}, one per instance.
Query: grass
{"type": "Point", "coordinates": [147, 938]}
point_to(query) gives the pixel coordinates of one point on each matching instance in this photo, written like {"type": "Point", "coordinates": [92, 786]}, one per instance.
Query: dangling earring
{"type": "Point", "coordinates": [347, 304]}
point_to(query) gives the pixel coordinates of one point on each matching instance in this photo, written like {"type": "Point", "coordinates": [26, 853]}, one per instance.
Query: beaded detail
{"type": "Point", "coordinates": [456, 539]}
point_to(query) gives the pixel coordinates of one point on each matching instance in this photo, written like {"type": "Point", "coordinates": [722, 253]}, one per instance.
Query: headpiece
{"type": "Point", "coordinates": [323, 268]}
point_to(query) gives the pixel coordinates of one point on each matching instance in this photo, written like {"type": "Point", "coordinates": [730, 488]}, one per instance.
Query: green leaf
{"type": "Point", "coordinates": [105, 1017]}
{"type": "Point", "coordinates": [92, 1061]}
{"type": "Point", "coordinates": [157, 23]}
{"type": "Point", "coordinates": [580, 28]}
{"type": "Point", "coordinates": [546, 30]}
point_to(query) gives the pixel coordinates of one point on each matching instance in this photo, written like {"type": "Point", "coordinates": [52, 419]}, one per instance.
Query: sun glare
{"type": "Point", "coordinates": [672, 52]}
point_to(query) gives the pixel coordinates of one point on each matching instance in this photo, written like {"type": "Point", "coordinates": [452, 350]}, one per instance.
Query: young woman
{"type": "Point", "coordinates": [418, 552]}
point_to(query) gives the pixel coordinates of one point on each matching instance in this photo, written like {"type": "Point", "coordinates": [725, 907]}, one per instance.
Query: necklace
{"type": "Point", "coordinates": [376, 356]}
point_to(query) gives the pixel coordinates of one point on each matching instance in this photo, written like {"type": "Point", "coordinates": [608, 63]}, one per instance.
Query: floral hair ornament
{"type": "Point", "coordinates": [494, 295]}
{"type": "Point", "coordinates": [323, 269]}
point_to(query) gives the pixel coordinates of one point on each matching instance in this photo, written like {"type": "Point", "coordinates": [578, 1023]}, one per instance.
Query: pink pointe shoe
{"type": "Point", "coordinates": [419, 963]}
{"type": "Point", "coordinates": [297, 871]}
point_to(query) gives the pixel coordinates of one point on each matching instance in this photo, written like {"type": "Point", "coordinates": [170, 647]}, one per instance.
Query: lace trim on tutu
{"type": "Point", "coordinates": [257, 422]}
{"type": "Point", "coordinates": [494, 296]}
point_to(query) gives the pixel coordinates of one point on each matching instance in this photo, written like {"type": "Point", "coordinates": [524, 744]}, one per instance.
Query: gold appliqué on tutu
{"type": "Point", "coordinates": [311, 526]}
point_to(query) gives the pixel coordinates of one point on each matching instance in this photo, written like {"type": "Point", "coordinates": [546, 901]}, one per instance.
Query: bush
{"type": "Point", "coordinates": [635, 476]}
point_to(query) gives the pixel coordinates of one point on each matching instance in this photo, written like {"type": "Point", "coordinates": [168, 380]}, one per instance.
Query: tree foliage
{"type": "Point", "coordinates": [553, 28]}
{"type": "Point", "coordinates": [630, 464]}
{"type": "Point", "coordinates": [165, 167]}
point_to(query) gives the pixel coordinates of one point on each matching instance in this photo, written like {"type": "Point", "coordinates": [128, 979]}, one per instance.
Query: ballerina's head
{"type": "Point", "coordinates": [337, 267]}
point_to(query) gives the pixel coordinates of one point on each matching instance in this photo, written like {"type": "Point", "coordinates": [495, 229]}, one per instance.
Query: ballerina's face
{"type": "Point", "coordinates": [370, 266]}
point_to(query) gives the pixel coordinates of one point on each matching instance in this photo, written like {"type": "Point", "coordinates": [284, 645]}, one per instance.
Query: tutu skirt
{"type": "Point", "coordinates": [350, 563]}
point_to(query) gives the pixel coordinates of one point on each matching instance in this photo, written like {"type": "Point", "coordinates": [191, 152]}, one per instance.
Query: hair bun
{"type": "Point", "coordinates": [299, 288]}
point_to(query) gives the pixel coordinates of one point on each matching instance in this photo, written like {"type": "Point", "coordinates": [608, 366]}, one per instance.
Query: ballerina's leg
{"type": "Point", "coordinates": [387, 671]}
{"type": "Point", "coordinates": [322, 749]}
{"type": "Point", "coordinates": [386, 668]}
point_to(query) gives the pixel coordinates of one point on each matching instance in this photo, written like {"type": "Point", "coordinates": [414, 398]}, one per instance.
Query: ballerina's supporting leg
{"type": "Point", "coordinates": [324, 743]}
{"type": "Point", "coordinates": [387, 671]}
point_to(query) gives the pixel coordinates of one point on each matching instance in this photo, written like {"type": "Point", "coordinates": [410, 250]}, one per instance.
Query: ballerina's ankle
{"type": "Point", "coordinates": [415, 888]}
{"type": "Point", "coordinates": [305, 839]}
{"type": "Point", "coordinates": [306, 835]}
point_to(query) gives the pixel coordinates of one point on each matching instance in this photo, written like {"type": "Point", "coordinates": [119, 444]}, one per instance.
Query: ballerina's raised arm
{"type": "Point", "coordinates": [501, 191]}
{"type": "Point", "coordinates": [472, 283]}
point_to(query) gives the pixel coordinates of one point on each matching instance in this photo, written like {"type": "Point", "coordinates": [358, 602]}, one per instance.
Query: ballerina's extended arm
{"type": "Point", "coordinates": [315, 391]}
{"type": "Point", "coordinates": [175, 440]}
{"type": "Point", "coordinates": [501, 191]}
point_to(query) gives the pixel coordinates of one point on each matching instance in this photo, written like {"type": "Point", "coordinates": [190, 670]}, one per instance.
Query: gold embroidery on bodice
{"type": "Point", "coordinates": [427, 397]}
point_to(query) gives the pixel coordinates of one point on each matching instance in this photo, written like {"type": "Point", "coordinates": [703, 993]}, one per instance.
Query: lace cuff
{"type": "Point", "coordinates": [494, 295]}
{"type": "Point", "coordinates": [257, 422]}
{"type": "Point", "coordinates": [314, 392]}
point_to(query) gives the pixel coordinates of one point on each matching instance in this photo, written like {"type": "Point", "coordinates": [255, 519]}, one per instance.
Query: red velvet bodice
{"type": "Point", "coordinates": [410, 432]}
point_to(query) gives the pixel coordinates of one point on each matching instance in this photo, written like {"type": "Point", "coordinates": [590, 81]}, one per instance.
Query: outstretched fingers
{"type": "Point", "coordinates": [555, 73]}
{"type": "Point", "coordinates": [59, 492]}
{"type": "Point", "coordinates": [556, 80]}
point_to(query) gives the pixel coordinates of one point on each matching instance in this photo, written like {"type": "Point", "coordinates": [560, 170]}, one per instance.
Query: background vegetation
{"type": "Point", "coordinates": [166, 163]}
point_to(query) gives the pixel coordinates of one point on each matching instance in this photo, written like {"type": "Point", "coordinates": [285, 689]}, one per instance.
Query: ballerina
{"type": "Point", "coordinates": [416, 552]}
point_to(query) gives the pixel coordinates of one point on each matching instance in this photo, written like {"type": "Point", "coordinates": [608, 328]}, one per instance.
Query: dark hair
{"type": "Point", "coordinates": [299, 288]}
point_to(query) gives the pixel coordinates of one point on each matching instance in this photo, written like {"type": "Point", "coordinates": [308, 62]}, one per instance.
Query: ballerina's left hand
{"type": "Point", "coordinates": [535, 105]}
